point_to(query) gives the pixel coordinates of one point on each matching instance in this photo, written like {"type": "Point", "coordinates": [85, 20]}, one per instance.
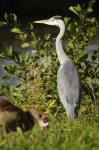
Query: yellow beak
{"type": "Point", "coordinates": [41, 21]}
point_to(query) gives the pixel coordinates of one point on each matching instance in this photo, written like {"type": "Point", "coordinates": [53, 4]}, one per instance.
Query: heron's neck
{"type": "Point", "coordinates": [60, 51]}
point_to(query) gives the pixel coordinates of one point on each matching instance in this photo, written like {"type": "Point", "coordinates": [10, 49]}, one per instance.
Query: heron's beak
{"type": "Point", "coordinates": [41, 21]}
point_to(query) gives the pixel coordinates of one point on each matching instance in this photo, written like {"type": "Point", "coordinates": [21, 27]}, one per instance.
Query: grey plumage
{"type": "Point", "coordinates": [69, 88]}
{"type": "Point", "coordinates": [68, 82]}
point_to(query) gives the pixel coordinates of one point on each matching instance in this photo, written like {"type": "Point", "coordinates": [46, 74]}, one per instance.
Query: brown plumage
{"type": "Point", "coordinates": [11, 116]}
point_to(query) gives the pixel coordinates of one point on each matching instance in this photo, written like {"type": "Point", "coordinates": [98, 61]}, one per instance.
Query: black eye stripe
{"type": "Point", "coordinates": [57, 17]}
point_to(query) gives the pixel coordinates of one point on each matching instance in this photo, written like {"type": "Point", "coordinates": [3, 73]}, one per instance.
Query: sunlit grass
{"type": "Point", "coordinates": [80, 134]}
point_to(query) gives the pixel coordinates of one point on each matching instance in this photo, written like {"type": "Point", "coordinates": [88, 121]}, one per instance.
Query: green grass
{"type": "Point", "coordinates": [82, 134]}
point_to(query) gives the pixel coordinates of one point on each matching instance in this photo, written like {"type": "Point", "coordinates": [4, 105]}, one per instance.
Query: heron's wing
{"type": "Point", "coordinates": [69, 83]}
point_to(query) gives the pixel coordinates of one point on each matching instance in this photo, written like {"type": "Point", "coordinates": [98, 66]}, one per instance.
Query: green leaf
{"type": "Point", "coordinates": [89, 10]}
{"type": "Point", "coordinates": [71, 8]}
{"type": "Point", "coordinates": [14, 17]}
{"type": "Point", "coordinates": [25, 45]}
{"type": "Point", "coordinates": [47, 37]}
{"type": "Point", "coordinates": [6, 17]}
{"type": "Point", "coordinates": [66, 19]}
{"type": "Point", "coordinates": [9, 51]}
{"type": "Point", "coordinates": [92, 20]}
{"type": "Point", "coordinates": [23, 58]}
{"type": "Point", "coordinates": [2, 23]}
{"type": "Point", "coordinates": [29, 26]}
{"type": "Point", "coordinates": [6, 77]}
{"type": "Point", "coordinates": [22, 36]}
{"type": "Point", "coordinates": [16, 30]}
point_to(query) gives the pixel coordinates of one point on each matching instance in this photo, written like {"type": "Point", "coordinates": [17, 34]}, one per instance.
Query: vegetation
{"type": "Point", "coordinates": [39, 87]}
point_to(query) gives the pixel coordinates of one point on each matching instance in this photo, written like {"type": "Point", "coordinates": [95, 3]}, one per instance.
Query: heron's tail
{"type": "Point", "coordinates": [71, 110]}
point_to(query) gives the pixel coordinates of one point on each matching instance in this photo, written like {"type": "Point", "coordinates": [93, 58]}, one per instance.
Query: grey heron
{"type": "Point", "coordinates": [68, 81]}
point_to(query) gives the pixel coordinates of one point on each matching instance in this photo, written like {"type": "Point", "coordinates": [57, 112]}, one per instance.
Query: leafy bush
{"type": "Point", "coordinates": [40, 88]}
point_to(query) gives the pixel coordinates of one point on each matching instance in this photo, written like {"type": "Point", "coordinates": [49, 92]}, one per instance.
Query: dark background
{"type": "Point", "coordinates": [41, 8]}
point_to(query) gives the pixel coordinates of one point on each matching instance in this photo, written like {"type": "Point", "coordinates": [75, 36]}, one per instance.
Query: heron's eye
{"type": "Point", "coordinates": [51, 19]}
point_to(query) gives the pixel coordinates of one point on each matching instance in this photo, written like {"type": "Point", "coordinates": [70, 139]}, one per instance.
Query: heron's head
{"type": "Point", "coordinates": [54, 21]}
